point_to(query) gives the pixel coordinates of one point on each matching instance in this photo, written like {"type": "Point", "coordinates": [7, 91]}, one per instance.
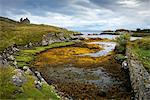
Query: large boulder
{"type": "Point", "coordinates": [19, 78]}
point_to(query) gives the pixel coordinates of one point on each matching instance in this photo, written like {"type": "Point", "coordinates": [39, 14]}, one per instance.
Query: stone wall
{"type": "Point", "coordinates": [140, 78]}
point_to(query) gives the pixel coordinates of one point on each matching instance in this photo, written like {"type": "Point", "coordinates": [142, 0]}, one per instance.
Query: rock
{"type": "Point", "coordinates": [125, 65]}
{"type": "Point", "coordinates": [51, 41]}
{"type": "Point", "coordinates": [8, 55]}
{"type": "Point", "coordinates": [15, 63]}
{"type": "Point", "coordinates": [1, 60]}
{"type": "Point", "coordinates": [25, 68]}
{"type": "Point", "coordinates": [5, 62]}
{"type": "Point", "coordinates": [11, 57]}
{"type": "Point", "coordinates": [29, 72]}
{"type": "Point", "coordinates": [44, 43]}
{"type": "Point", "coordinates": [26, 46]}
{"type": "Point", "coordinates": [38, 84]}
{"type": "Point", "coordinates": [39, 76]}
{"type": "Point", "coordinates": [14, 49]}
{"type": "Point", "coordinates": [17, 80]}
{"type": "Point", "coordinates": [30, 44]}
{"type": "Point", "coordinates": [18, 72]}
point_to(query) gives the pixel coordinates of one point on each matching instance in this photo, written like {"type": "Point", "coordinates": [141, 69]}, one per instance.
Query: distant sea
{"type": "Point", "coordinates": [91, 32]}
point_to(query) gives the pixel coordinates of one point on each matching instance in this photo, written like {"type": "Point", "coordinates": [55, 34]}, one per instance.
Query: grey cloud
{"type": "Point", "coordinates": [88, 14]}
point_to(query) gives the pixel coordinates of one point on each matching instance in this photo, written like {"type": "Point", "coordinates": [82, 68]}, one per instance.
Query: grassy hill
{"type": "Point", "coordinates": [13, 32]}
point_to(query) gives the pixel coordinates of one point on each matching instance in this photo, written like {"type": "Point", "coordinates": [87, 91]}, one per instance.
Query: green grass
{"type": "Point", "coordinates": [29, 91]}
{"type": "Point", "coordinates": [142, 50]}
{"type": "Point", "coordinates": [144, 56]}
{"type": "Point", "coordinates": [6, 86]}
{"type": "Point", "coordinates": [25, 57]}
{"type": "Point", "coordinates": [12, 32]}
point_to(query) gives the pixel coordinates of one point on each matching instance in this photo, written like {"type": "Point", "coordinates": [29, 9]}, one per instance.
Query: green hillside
{"type": "Point", "coordinates": [13, 32]}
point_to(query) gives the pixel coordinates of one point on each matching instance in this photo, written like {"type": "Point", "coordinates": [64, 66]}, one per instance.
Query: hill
{"type": "Point", "coordinates": [13, 32]}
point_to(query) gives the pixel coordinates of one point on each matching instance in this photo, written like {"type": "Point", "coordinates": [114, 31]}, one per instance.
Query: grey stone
{"type": "Point", "coordinates": [11, 57]}
{"type": "Point", "coordinates": [30, 44]}
{"type": "Point", "coordinates": [44, 43]}
{"type": "Point", "coordinates": [39, 76]}
{"type": "Point", "coordinates": [1, 60]}
{"type": "Point", "coordinates": [25, 68]}
{"type": "Point", "coordinates": [51, 41]}
{"type": "Point", "coordinates": [125, 65]}
{"type": "Point", "coordinates": [5, 62]}
{"type": "Point", "coordinates": [38, 84]}
{"type": "Point", "coordinates": [29, 72]}
{"type": "Point", "coordinates": [19, 72]}
{"type": "Point", "coordinates": [15, 49]}
{"type": "Point", "coordinates": [15, 63]}
{"type": "Point", "coordinates": [17, 80]}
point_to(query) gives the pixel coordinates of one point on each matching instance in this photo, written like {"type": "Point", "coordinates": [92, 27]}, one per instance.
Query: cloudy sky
{"type": "Point", "coordinates": [81, 15]}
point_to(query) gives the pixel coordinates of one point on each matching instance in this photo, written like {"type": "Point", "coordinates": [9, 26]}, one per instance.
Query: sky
{"type": "Point", "coordinates": [81, 15]}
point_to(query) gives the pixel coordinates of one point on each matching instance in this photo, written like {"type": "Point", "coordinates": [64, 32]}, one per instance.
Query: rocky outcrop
{"type": "Point", "coordinates": [54, 37]}
{"type": "Point", "coordinates": [140, 78]}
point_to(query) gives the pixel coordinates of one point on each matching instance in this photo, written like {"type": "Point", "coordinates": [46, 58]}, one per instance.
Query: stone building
{"type": "Point", "coordinates": [25, 21]}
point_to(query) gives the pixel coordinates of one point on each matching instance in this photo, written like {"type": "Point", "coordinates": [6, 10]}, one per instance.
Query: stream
{"type": "Point", "coordinates": [88, 75]}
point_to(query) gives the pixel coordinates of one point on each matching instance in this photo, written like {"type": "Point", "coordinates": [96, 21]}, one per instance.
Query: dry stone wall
{"type": "Point", "coordinates": [140, 78]}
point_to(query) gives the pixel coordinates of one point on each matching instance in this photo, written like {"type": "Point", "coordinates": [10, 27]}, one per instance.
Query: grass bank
{"type": "Point", "coordinates": [24, 57]}
{"type": "Point", "coordinates": [28, 89]}
{"type": "Point", "coordinates": [13, 32]}
{"type": "Point", "coordinates": [142, 49]}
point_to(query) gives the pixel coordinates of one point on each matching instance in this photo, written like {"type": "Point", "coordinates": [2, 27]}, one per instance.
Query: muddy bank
{"type": "Point", "coordinates": [81, 77]}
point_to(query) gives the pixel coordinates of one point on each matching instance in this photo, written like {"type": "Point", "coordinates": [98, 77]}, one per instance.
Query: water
{"type": "Point", "coordinates": [111, 37]}
{"type": "Point", "coordinates": [107, 48]}
{"type": "Point", "coordinates": [100, 36]}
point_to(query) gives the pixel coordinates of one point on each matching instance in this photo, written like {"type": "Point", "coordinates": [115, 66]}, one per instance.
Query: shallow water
{"type": "Point", "coordinates": [107, 36]}
{"type": "Point", "coordinates": [107, 48]}
{"type": "Point", "coordinates": [100, 36]}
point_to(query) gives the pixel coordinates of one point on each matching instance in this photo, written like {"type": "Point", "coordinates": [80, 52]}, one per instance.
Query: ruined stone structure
{"type": "Point", "coordinates": [25, 21]}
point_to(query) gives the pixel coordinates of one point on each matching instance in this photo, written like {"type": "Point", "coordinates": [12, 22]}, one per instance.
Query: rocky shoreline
{"type": "Point", "coordinates": [7, 59]}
